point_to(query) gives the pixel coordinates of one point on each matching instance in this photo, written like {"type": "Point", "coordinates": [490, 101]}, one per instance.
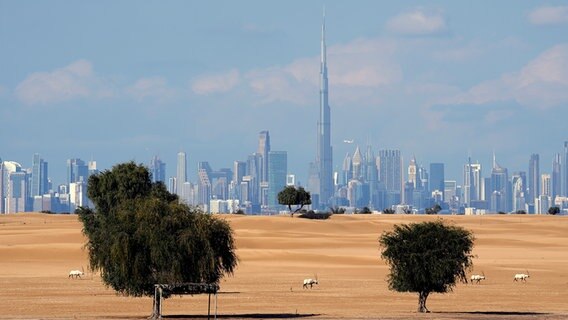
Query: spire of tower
{"type": "Point", "coordinates": [323, 47]}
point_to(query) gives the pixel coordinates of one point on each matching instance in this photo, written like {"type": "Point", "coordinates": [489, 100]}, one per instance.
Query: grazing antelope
{"type": "Point", "coordinates": [76, 273]}
{"type": "Point", "coordinates": [310, 282]}
{"type": "Point", "coordinates": [521, 277]}
{"type": "Point", "coordinates": [477, 278]}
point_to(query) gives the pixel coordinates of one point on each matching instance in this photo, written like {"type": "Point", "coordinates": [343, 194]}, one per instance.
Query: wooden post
{"type": "Point", "coordinates": [157, 309]}
{"type": "Point", "coordinates": [209, 307]}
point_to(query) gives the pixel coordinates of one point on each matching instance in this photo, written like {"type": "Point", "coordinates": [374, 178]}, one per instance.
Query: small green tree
{"type": "Point", "coordinates": [365, 210]}
{"type": "Point", "coordinates": [553, 210]}
{"type": "Point", "coordinates": [426, 257]}
{"type": "Point", "coordinates": [434, 210]}
{"type": "Point", "coordinates": [139, 234]}
{"type": "Point", "coordinates": [291, 195]}
{"type": "Point", "coordinates": [337, 210]}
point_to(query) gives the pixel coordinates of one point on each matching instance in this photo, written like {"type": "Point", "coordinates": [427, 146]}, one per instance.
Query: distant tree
{"type": "Point", "coordinates": [434, 210]}
{"type": "Point", "coordinates": [292, 196]}
{"type": "Point", "coordinates": [365, 210]}
{"type": "Point", "coordinates": [501, 212]}
{"type": "Point", "coordinates": [139, 234]}
{"type": "Point", "coordinates": [553, 210]}
{"type": "Point", "coordinates": [388, 211]}
{"type": "Point", "coordinates": [426, 257]}
{"type": "Point", "coordinates": [317, 216]}
{"type": "Point", "coordinates": [337, 210]}
{"type": "Point", "coordinates": [520, 212]}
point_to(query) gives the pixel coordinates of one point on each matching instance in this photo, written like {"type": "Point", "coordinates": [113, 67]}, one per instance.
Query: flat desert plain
{"type": "Point", "coordinates": [276, 253]}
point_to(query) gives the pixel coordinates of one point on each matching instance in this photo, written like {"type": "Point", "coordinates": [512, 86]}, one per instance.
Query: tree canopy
{"type": "Point", "coordinates": [139, 234]}
{"type": "Point", "coordinates": [434, 210]}
{"type": "Point", "coordinates": [553, 210]}
{"type": "Point", "coordinates": [291, 195]}
{"type": "Point", "coordinates": [426, 257]}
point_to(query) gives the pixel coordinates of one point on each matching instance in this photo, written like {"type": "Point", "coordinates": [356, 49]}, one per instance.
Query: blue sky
{"type": "Point", "coordinates": [123, 80]}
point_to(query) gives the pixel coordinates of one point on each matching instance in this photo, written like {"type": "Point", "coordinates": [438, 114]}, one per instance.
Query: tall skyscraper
{"type": "Point", "coordinates": [324, 159]}
{"type": "Point", "coordinates": [499, 188]}
{"type": "Point", "coordinates": [203, 185]}
{"type": "Point", "coordinates": [17, 196]}
{"type": "Point", "coordinates": [158, 170]}
{"type": "Point", "coordinates": [534, 178]}
{"type": "Point", "coordinates": [181, 173]}
{"type": "Point", "coordinates": [518, 191]}
{"type": "Point", "coordinates": [277, 171]}
{"type": "Point", "coordinates": [77, 171]}
{"type": "Point", "coordinates": [412, 168]}
{"type": "Point", "coordinates": [556, 182]}
{"type": "Point", "coordinates": [263, 150]}
{"type": "Point", "coordinates": [372, 178]}
{"type": "Point", "coordinates": [357, 164]}
{"type": "Point", "coordinates": [14, 187]}
{"type": "Point", "coordinates": [239, 171]}
{"type": "Point", "coordinates": [472, 182]}
{"type": "Point", "coordinates": [545, 184]}
{"type": "Point", "coordinates": [39, 185]}
{"type": "Point", "coordinates": [254, 171]}
{"type": "Point", "coordinates": [347, 170]}
{"type": "Point", "coordinates": [437, 179]}
{"type": "Point", "coordinates": [390, 175]}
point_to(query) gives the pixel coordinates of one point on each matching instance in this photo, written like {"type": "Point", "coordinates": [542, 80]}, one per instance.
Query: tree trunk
{"type": "Point", "coordinates": [422, 296]}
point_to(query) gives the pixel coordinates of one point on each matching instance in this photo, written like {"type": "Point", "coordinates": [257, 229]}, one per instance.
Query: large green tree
{"type": "Point", "coordinates": [292, 196]}
{"type": "Point", "coordinates": [426, 257]}
{"type": "Point", "coordinates": [139, 234]}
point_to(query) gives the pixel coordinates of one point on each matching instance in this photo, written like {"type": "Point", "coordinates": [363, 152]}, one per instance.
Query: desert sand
{"type": "Point", "coordinates": [276, 253]}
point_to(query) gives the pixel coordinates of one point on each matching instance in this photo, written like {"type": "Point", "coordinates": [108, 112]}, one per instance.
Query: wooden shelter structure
{"type": "Point", "coordinates": [166, 290]}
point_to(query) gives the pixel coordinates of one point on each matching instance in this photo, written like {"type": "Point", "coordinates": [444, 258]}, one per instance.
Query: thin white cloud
{"type": "Point", "coordinates": [280, 84]}
{"type": "Point", "coordinates": [418, 23]}
{"type": "Point", "coordinates": [354, 67]}
{"type": "Point", "coordinates": [216, 83]}
{"type": "Point", "coordinates": [74, 81]}
{"type": "Point", "coordinates": [549, 15]}
{"type": "Point", "coordinates": [542, 83]}
{"type": "Point", "coordinates": [69, 82]}
{"type": "Point", "coordinates": [155, 88]}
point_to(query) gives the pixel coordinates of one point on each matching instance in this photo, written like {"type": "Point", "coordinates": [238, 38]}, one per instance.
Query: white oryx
{"type": "Point", "coordinates": [76, 274]}
{"type": "Point", "coordinates": [310, 282]}
{"type": "Point", "coordinates": [477, 278]}
{"type": "Point", "coordinates": [521, 276]}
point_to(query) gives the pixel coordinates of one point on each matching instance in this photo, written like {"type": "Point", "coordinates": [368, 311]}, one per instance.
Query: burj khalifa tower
{"type": "Point", "coordinates": [324, 156]}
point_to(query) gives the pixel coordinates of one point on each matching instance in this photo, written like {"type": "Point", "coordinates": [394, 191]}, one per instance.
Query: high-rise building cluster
{"type": "Point", "coordinates": [251, 185]}
{"type": "Point", "coordinates": [30, 189]}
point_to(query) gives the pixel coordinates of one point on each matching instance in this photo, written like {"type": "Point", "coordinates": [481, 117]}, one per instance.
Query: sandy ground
{"type": "Point", "coordinates": [276, 253]}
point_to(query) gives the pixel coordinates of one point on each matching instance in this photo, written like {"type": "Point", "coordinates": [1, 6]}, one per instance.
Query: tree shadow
{"type": "Point", "coordinates": [245, 316]}
{"type": "Point", "coordinates": [497, 313]}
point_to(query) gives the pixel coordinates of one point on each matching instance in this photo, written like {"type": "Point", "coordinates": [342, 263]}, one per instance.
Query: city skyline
{"type": "Point", "coordinates": [438, 81]}
{"type": "Point", "coordinates": [365, 180]}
